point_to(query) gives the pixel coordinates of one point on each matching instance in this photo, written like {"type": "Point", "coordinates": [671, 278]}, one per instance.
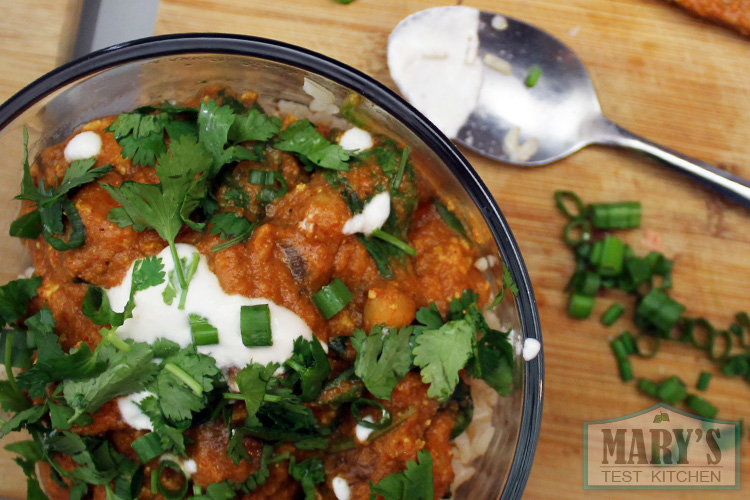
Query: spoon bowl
{"type": "Point", "coordinates": [529, 125]}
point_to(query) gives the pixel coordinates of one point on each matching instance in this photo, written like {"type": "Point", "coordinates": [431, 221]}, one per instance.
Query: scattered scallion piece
{"type": "Point", "coordinates": [613, 253]}
{"type": "Point", "coordinates": [648, 387]}
{"type": "Point", "coordinates": [147, 447]}
{"type": "Point", "coordinates": [619, 215]}
{"type": "Point", "coordinates": [738, 365]}
{"type": "Point", "coordinates": [672, 390]}
{"type": "Point", "coordinates": [255, 325]}
{"type": "Point", "coordinates": [659, 310]}
{"type": "Point", "coordinates": [332, 298]}
{"type": "Point", "coordinates": [532, 78]}
{"type": "Point", "coordinates": [580, 306]}
{"type": "Point", "coordinates": [612, 314]}
{"type": "Point", "coordinates": [720, 338]}
{"type": "Point", "coordinates": [646, 346]}
{"type": "Point", "coordinates": [703, 380]}
{"type": "Point", "coordinates": [626, 369]}
{"type": "Point", "coordinates": [618, 348]}
{"type": "Point", "coordinates": [565, 198]}
{"type": "Point", "coordinates": [203, 332]}
{"type": "Point", "coordinates": [702, 407]}
{"type": "Point", "coordinates": [261, 177]}
{"type": "Point", "coordinates": [579, 224]}
{"type": "Point", "coordinates": [638, 269]}
{"type": "Point", "coordinates": [627, 342]}
{"type": "Point", "coordinates": [589, 284]}
{"type": "Point", "coordinates": [694, 325]}
{"type": "Point", "coordinates": [168, 493]}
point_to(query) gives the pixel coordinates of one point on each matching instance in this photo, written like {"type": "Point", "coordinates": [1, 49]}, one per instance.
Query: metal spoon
{"type": "Point", "coordinates": [561, 112]}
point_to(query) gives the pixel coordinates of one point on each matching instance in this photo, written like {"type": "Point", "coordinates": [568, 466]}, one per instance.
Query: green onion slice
{"type": "Point", "coordinates": [332, 298]}
{"type": "Point", "coordinates": [385, 419]}
{"type": "Point", "coordinates": [703, 380]}
{"type": "Point", "coordinates": [647, 346]}
{"type": "Point", "coordinates": [168, 493]}
{"type": "Point", "coordinates": [702, 407]}
{"type": "Point", "coordinates": [612, 314]}
{"type": "Point", "coordinates": [580, 224]}
{"type": "Point", "coordinates": [147, 447]}
{"type": "Point", "coordinates": [660, 310]}
{"type": "Point", "coordinates": [613, 254]}
{"type": "Point", "coordinates": [204, 333]}
{"type": "Point", "coordinates": [565, 198]}
{"type": "Point", "coordinates": [261, 177]}
{"type": "Point", "coordinates": [693, 329]}
{"type": "Point", "coordinates": [648, 387]}
{"type": "Point", "coordinates": [580, 306]}
{"type": "Point", "coordinates": [723, 339]}
{"type": "Point", "coordinates": [626, 369]}
{"type": "Point", "coordinates": [627, 342]}
{"type": "Point", "coordinates": [255, 325]}
{"type": "Point", "coordinates": [619, 215]}
{"type": "Point", "coordinates": [532, 78]}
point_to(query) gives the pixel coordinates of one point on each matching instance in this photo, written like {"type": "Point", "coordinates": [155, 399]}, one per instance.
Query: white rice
{"type": "Point", "coordinates": [517, 151]}
{"type": "Point", "coordinates": [498, 64]}
{"type": "Point", "coordinates": [475, 441]}
{"type": "Point", "coordinates": [322, 110]}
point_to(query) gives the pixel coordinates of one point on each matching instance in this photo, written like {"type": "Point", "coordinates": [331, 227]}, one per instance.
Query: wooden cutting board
{"type": "Point", "coordinates": [659, 72]}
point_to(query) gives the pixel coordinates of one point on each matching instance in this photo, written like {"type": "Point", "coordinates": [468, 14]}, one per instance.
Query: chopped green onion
{"type": "Point", "coordinates": [389, 238]}
{"type": "Point", "coordinates": [255, 325]}
{"type": "Point", "coordinates": [659, 310]}
{"type": "Point", "coordinates": [648, 387]}
{"type": "Point", "coordinates": [672, 390]}
{"type": "Point", "coordinates": [596, 252]}
{"type": "Point", "coordinates": [618, 348]}
{"type": "Point", "coordinates": [396, 181]}
{"type": "Point", "coordinates": [702, 407]}
{"type": "Point", "coordinates": [703, 381]}
{"type": "Point", "coordinates": [565, 198]}
{"type": "Point", "coordinates": [703, 325]}
{"type": "Point", "coordinates": [154, 482]}
{"type": "Point", "coordinates": [147, 447]}
{"type": "Point", "coordinates": [197, 490]}
{"type": "Point", "coordinates": [385, 419]}
{"type": "Point", "coordinates": [580, 224]}
{"type": "Point", "coordinates": [612, 314]}
{"type": "Point", "coordinates": [261, 177]}
{"type": "Point", "coordinates": [613, 252]}
{"type": "Point", "coordinates": [627, 342]}
{"type": "Point", "coordinates": [204, 333]}
{"type": "Point", "coordinates": [626, 369]}
{"type": "Point", "coordinates": [168, 493]}
{"type": "Point", "coordinates": [742, 330]}
{"type": "Point", "coordinates": [722, 354]}
{"type": "Point", "coordinates": [184, 377]}
{"type": "Point", "coordinates": [619, 215]}
{"type": "Point", "coordinates": [647, 346]}
{"type": "Point", "coordinates": [580, 306]}
{"type": "Point", "coordinates": [583, 252]}
{"type": "Point", "coordinates": [737, 365]}
{"type": "Point", "coordinates": [332, 298]}
{"type": "Point", "coordinates": [532, 78]}
{"type": "Point", "coordinates": [638, 269]}
{"type": "Point", "coordinates": [589, 284]}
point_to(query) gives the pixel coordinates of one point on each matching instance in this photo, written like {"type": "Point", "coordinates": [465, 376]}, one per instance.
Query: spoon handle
{"type": "Point", "coordinates": [734, 187]}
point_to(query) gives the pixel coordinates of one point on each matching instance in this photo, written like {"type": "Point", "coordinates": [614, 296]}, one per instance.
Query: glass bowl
{"type": "Point", "coordinates": [175, 67]}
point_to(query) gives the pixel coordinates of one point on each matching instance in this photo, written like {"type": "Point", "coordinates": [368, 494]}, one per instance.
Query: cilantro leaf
{"type": "Point", "coordinates": [495, 356]}
{"type": "Point", "coordinates": [177, 400]}
{"type": "Point", "coordinates": [430, 316]}
{"type": "Point", "coordinates": [233, 228]}
{"type": "Point", "coordinates": [383, 358]}
{"type": "Point", "coordinates": [98, 462]}
{"type": "Point", "coordinates": [252, 382]}
{"type": "Point", "coordinates": [141, 136]}
{"type": "Point", "coordinates": [23, 419]}
{"type": "Point", "coordinates": [214, 122]}
{"type": "Point", "coordinates": [308, 366]}
{"type": "Point", "coordinates": [309, 473]}
{"type": "Point", "coordinates": [415, 483]}
{"type": "Point", "coordinates": [170, 436]}
{"type": "Point", "coordinates": [126, 372]}
{"type": "Point", "coordinates": [53, 365]}
{"type": "Point", "coordinates": [301, 138]}
{"type": "Point", "coordinates": [30, 453]}
{"type": "Point", "coordinates": [442, 353]}
{"type": "Point", "coordinates": [254, 125]}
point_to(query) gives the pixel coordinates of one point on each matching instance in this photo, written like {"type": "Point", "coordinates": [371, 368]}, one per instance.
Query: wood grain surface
{"type": "Point", "coordinates": [659, 72]}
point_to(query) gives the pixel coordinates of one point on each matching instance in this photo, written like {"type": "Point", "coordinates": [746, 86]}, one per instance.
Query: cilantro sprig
{"type": "Point", "coordinates": [414, 483]}
{"type": "Point", "coordinates": [383, 358]}
{"type": "Point", "coordinates": [52, 205]}
{"type": "Point", "coordinates": [301, 138]}
{"type": "Point", "coordinates": [164, 207]}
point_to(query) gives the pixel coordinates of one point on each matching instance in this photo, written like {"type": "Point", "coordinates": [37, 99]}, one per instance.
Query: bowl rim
{"type": "Point", "coordinates": [233, 44]}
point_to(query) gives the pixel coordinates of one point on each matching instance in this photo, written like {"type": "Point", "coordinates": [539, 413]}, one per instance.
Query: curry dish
{"type": "Point", "coordinates": [386, 316]}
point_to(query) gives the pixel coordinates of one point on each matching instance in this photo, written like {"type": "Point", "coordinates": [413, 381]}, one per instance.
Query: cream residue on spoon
{"type": "Point", "coordinates": [432, 56]}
